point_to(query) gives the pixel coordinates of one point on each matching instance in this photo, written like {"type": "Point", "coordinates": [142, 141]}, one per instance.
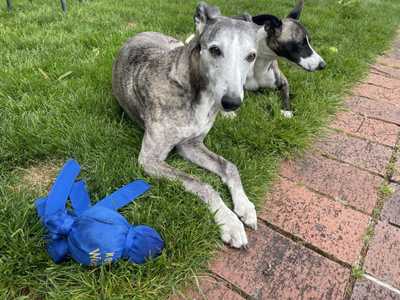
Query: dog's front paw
{"type": "Point", "coordinates": [287, 113]}
{"type": "Point", "coordinates": [247, 213]}
{"type": "Point", "coordinates": [232, 230]}
{"type": "Point", "coordinates": [228, 115]}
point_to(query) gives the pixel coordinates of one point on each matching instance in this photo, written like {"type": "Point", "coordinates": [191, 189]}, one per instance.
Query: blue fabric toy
{"type": "Point", "coordinates": [97, 234]}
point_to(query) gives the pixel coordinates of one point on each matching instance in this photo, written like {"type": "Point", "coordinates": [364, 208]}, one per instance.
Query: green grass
{"type": "Point", "coordinates": [56, 103]}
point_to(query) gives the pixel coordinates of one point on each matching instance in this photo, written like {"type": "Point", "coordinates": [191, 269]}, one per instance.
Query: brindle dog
{"type": "Point", "coordinates": [175, 93]}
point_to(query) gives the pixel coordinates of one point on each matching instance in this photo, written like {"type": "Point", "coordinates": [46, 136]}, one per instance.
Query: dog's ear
{"type": "Point", "coordinates": [296, 11]}
{"type": "Point", "coordinates": [272, 24]}
{"type": "Point", "coordinates": [244, 17]}
{"type": "Point", "coordinates": [203, 14]}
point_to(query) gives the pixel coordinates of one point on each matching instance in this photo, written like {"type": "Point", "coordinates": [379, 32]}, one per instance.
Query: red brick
{"type": "Point", "coordinates": [378, 93]}
{"type": "Point", "coordinates": [362, 153]}
{"type": "Point", "coordinates": [389, 83]}
{"type": "Point", "coordinates": [208, 288]}
{"type": "Point", "coordinates": [324, 223]}
{"type": "Point", "coordinates": [387, 60]}
{"type": "Point", "coordinates": [340, 181]}
{"type": "Point", "coordinates": [373, 130]}
{"type": "Point", "coordinates": [391, 208]}
{"type": "Point", "coordinates": [347, 121]}
{"type": "Point", "coordinates": [381, 110]}
{"type": "Point", "coordinates": [383, 257]}
{"type": "Point", "coordinates": [275, 267]}
{"type": "Point", "coordinates": [386, 71]}
{"type": "Point", "coordinates": [365, 289]}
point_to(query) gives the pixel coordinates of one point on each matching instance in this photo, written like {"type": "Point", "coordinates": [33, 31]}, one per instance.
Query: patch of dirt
{"type": "Point", "coordinates": [131, 24]}
{"type": "Point", "coordinates": [40, 177]}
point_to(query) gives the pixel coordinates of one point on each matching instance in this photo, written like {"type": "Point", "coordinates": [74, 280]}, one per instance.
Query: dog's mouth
{"type": "Point", "coordinates": [320, 66]}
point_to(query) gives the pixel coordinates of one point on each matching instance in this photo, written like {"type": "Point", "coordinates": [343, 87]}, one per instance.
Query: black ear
{"type": "Point", "coordinates": [203, 14]}
{"type": "Point", "coordinates": [296, 11]}
{"type": "Point", "coordinates": [272, 24]}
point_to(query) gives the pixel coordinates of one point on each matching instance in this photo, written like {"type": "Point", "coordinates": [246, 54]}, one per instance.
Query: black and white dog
{"type": "Point", "coordinates": [286, 38]}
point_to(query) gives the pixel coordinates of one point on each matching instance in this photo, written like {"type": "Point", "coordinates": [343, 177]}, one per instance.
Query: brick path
{"type": "Point", "coordinates": [328, 215]}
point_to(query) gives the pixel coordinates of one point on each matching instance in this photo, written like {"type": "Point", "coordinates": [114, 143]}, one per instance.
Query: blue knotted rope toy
{"type": "Point", "coordinates": [97, 234]}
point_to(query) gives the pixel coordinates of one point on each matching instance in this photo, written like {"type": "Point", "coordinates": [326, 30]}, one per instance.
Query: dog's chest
{"type": "Point", "coordinates": [202, 119]}
{"type": "Point", "coordinates": [261, 75]}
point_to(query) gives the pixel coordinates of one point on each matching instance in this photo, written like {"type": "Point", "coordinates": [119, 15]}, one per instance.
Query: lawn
{"type": "Point", "coordinates": [56, 103]}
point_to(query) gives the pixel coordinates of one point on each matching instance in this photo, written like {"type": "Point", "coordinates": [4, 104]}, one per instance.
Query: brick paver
{"type": "Point", "coordinates": [208, 288]}
{"type": "Point", "coordinates": [365, 289]}
{"type": "Point", "coordinates": [381, 110]}
{"type": "Point", "coordinates": [391, 209]}
{"type": "Point", "coordinates": [391, 95]}
{"type": "Point", "coordinates": [370, 129]}
{"type": "Point", "coordinates": [340, 181]}
{"type": "Point", "coordinates": [362, 153]}
{"type": "Point", "coordinates": [383, 257]}
{"type": "Point", "coordinates": [387, 71]}
{"type": "Point", "coordinates": [318, 220]}
{"type": "Point", "coordinates": [389, 61]}
{"type": "Point", "coordinates": [379, 80]}
{"type": "Point", "coordinates": [275, 267]}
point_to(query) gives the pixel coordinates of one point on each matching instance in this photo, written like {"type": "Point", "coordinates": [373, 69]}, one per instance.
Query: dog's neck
{"type": "Point", "coordinates": [186, 73]}
{"type": "Point", "coordinates": [263, 51]}
{"type": "Point", "coordinates": [265, 55]}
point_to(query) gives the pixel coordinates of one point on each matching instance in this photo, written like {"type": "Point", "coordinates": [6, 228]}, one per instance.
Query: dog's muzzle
{"type": "Point", "coordinates": [230, 104]}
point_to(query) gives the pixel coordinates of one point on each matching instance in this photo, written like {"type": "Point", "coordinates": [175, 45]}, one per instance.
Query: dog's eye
{"type": "Point", "coordinates": [215, 51]}
{"type": "Point", "coordinates": [251, 57]}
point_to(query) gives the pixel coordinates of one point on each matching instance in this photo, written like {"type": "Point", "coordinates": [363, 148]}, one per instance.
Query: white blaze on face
{"type": "Point", "coordinates": [312, 62]}
{"type": "Point", "coordinates": [230, 70]}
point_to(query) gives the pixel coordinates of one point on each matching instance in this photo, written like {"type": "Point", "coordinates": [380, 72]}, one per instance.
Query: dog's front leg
{"type": "Point", "coordinates": [200, 155]}
{"type": "Point", "coordinates": [151, 158]}
{"type": "Point", "coordinates": [283, 88]}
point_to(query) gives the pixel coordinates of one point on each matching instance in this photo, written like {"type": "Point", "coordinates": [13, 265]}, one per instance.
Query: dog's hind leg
{"type": "Point", "coordinates": [152, 158]}
{"type": "Point", "coordinates": [200, 155]}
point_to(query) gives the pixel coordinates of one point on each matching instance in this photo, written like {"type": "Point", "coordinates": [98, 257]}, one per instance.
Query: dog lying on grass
{"type": "Point", "coordinates": [175, 93]}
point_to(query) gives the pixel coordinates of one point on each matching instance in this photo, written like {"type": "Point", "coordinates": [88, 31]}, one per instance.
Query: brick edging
{"type": "Point", "coordinates": [318, 225]}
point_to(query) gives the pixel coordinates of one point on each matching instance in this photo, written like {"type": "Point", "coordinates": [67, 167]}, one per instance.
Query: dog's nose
{"type": "Point", "coordinates": [321, 65]}
{"type": "Point", "coordinates": [230, 103]}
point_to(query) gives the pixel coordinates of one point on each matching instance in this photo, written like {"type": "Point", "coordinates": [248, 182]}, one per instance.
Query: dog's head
{"type": "Point", "coordinates": [227, 49]}
{"type": "Point", "coordinates": [288, 38]}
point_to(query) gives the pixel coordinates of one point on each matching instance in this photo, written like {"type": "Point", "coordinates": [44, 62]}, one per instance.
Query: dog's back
{"type": "Point", "coordinates": [142, 62]}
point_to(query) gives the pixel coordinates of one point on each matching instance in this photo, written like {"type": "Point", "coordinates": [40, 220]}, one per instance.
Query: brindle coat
{"type": "Point", "coordinates": [175, 93]}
